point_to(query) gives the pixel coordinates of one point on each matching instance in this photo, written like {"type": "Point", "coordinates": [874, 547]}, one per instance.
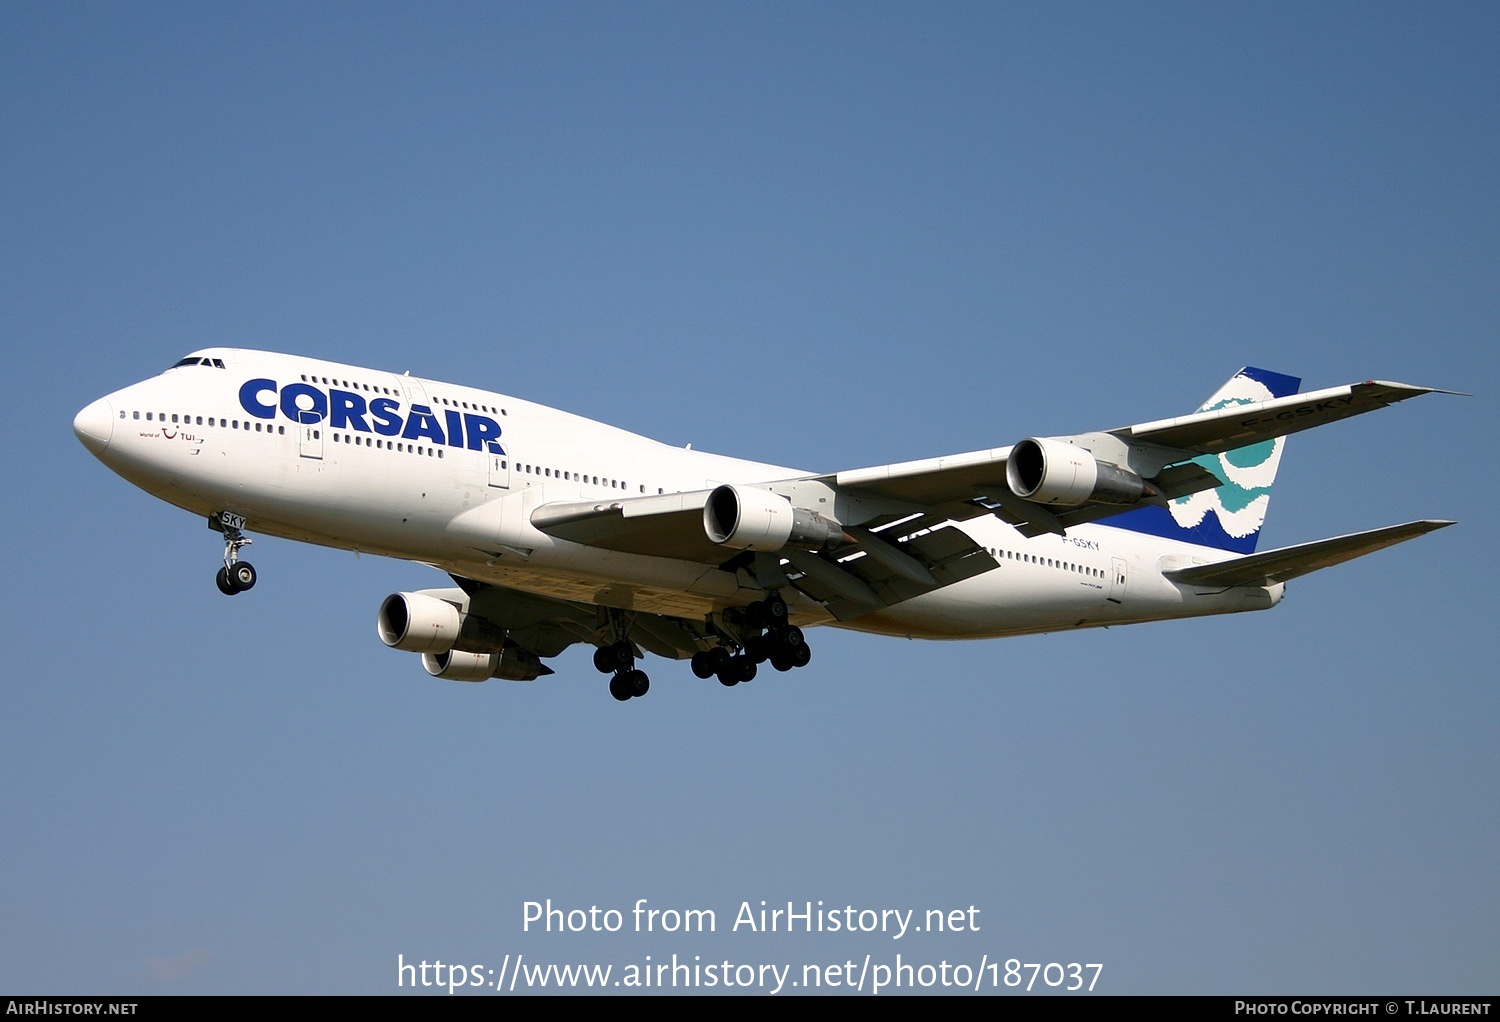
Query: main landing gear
{"type": "Point", "coordinates": [236, 576]}
{"type": "Point", "coordinates": [763, 634]}
{"type": "Point", "coordinates": [772, 638]}
{"type": "Point", "coordinates": [618, 658]}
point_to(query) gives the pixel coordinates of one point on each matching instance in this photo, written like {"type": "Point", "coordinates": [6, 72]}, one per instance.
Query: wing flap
{"type": "Point", "coordinates": [1274, 566]}
{"type": "Point", "coordinates": [545, 625]}
{"type": "Point", "coordinates": [859, 582]}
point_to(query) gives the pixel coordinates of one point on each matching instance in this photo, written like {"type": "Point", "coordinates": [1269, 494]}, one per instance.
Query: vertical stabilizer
{"type": "Point", "coordinates": [1229, 517]}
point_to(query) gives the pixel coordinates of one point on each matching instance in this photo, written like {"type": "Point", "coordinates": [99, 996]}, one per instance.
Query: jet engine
{"type": "Point", "coordinates": [511, 665]}
{"type": "Point", "coordinates": [1047, 471]}
{"type": "Point", "coordinates": [455, 645]}
{"type": "Point", "coordinates": [418, 623]}
{"type": "Point", "coordinates": [749, 518]}
{"type": "Point", "coordinates": [456, 665]}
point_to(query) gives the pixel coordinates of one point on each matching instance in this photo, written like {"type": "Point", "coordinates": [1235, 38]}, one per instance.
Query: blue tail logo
{"type": "Point", "coordinates": [1229, 517]}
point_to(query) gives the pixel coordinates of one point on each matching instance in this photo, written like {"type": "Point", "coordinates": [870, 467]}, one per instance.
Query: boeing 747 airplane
{"type": "Point", "coordinates": [558, 530]}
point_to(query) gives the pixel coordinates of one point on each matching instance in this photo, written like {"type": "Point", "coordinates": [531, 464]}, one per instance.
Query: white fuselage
{"type": "Point", "coordinates": [456, 488]}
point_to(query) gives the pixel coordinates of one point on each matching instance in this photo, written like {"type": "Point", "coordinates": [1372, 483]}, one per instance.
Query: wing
{"type": "Point", "coordinates": [499, 618]}
{"type": "Point", "coordinates": [895, 552]}
{"type": "Point", "coordinates": [667, 525]}
{"type": "Point", "coordinates": [860, 540]}
{"type": "Point", "coordinates": [1242, 425]}
{"type": "Point", "coordinates": [1160, 453]}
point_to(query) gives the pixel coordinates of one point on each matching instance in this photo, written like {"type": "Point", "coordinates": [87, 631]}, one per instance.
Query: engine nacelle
{"type": "Point", "coordinates": [1047, 471]}
{"type": "Point", "coordinates": [418, 623]}
{"type": "Point", "coordinates": [749, 518]}
{"type": "Point", "coordinates": [456, 665]}
{"type": "Point", "coordinates": [511, 665]}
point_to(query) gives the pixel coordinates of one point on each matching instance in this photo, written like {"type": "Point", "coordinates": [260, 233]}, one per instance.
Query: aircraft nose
{"type": "Point", "coordinates": [95, 425]}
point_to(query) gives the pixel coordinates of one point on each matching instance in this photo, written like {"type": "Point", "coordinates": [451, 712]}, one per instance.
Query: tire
{"type": "Point", "coordinates": [757, 648]}
{"type": "Point", "coordinates": [636, 683]}
{"type": "Point", "coordinates": [703, 666]}
{"type": "Point", "coordinates": [242, 576]}
{"type": "Point", "coordinates": [775, 609]}
{"type": "Point", "coordinates": [222, 580]}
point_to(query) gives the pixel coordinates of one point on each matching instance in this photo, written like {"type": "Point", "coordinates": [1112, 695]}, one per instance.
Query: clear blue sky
{"type": "Point", "coordinates": [823, 235]}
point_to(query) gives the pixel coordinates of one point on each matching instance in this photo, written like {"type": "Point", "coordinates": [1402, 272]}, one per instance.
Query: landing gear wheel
{"type": "Point", "coordinates": [703, 664]}
{"type": "Point", "coordinates": [603, 662]}
{"type": "Point", "coordinates": [746, 668]}
{"type": "Point", "coordinates": [782, 660]}
{"type": "Point", "coordinates": [775, 609]}
{"type": "Point", "coordinates": [719, 658]}
{"type": "Point", "coordinates": [629, 684]}
{"type": "Point", "coordinates": [802, 655]}
{"type": "Point", "coordinates": [729, 677]}
{"type": "Point", "coordinates": [791, 637]}
{"type": "Point", "coordinates": [221, 579]}
{"type": "Point", "coordinates": [241, 576]}
{"type": "Point", "coordinates": [617, 688]}
{"type": "Point", "coordinates": [621, 654]}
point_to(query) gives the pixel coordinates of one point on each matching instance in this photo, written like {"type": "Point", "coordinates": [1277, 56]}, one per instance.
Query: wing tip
{"type": "Point", "coordinates": [1413, 390]}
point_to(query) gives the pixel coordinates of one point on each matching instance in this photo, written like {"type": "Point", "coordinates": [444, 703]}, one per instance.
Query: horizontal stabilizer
{"type": "Point", "coordinates": [1289, 562]}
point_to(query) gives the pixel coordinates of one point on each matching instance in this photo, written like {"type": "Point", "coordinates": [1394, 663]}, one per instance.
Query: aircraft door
{"type": "Point", "coordinates": [1117, 580]}
{"type": "Point", "coordinates": [416, 394]}
{"type": "Point", "coordinates": [310, 440]}
{"type": "Point", "coordinates": [499, 470]}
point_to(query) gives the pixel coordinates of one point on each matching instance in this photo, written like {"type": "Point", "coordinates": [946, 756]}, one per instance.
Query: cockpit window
{"type": "Point", "coordinates": [190, 361]}
{"type": "Point", "coordinates": [195, 360]}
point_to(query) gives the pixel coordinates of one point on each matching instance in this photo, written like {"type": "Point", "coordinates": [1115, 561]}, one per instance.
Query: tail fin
{"type": "Point", "coordinates": [1229, 517]}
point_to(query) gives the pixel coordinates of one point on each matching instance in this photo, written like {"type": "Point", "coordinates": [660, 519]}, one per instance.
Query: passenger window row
{"type": "Point", "coordinates": [198, 420]}
{"type": "Point", "coordinates": [1045, 562]}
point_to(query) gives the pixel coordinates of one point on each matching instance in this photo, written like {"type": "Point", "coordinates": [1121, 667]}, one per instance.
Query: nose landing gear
{"type": "Point", "coordinates": [236, 576]}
